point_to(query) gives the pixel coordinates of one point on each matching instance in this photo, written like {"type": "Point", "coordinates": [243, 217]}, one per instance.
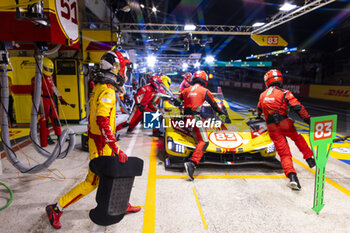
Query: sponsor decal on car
{"type": "Point", "coordinates": [224, 139]}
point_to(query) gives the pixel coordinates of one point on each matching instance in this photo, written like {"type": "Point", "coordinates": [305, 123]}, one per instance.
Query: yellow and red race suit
{"type": "Point", "coordinates": [102, 141]}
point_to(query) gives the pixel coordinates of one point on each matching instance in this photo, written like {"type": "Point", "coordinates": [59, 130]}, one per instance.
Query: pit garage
{"type": "Point", "coordinates": [53, 58]}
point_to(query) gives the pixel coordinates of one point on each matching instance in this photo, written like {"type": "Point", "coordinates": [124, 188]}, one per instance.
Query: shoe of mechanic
{"type": "Point", "coordinates": [54, 214]}
{"type": "Point", "coordinates": [190, 167]}
{"type": "Point", "coordinates": [50, 141]}
{"type": "Point", "coordinates": [311, 162]}
{"type": "Point", "coordinates": [132, 209]}
{"type": "Point", "coordinates": [294, 181]}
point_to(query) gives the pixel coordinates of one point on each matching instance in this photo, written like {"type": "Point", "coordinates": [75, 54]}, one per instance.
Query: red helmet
{"type": "Point", "coordinates": [273, 76]}
{"type": "Point", "coordinates": [200, 75]}
{"type": "Point", "coordinates": [124, 62]}
{"type": "Point", "coordinates": [155, 81]}
{"type": "Point", "coordinates": [188, 77]}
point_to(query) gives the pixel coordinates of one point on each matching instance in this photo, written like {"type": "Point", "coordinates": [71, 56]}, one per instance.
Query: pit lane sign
{"type": "Point", "coordinates": [322, 133]}
{"type": "Point", "coordinates": [269, 40]}
{"type": "Point", "coordinates": [67, 17]}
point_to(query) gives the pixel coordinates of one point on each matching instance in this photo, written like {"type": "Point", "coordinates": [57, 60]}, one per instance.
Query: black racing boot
{"type": "Point", "coordinates": [190, 166]}
{"type": "Point", "coordinates": [129, 130]}
{"type": "Point", "coordinates": [50, 141]}
{"type": "Point", "coordinates": [293, 181]}
{"type": "Point", "coordinates": [311, 162]}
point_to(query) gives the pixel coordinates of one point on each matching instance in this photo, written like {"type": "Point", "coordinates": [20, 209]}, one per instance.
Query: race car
{"type": "Point", "coordinates": [240, 139]}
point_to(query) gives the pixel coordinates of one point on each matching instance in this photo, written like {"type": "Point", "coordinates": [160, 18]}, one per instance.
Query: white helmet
{"type": "Point", "coordinates": [110, 67]}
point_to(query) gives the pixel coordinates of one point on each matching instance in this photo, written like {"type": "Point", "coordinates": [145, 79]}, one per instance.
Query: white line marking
{"type": "Point", "coordinates": [132, 142]}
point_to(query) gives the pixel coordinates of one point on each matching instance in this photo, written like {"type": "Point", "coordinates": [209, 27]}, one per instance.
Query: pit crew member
{"type": "Point", "coordinates": [186, 82]}
{"type": "Point", "coordinates": [274, 103]}
{"type": "Point", "coordinates": [193, 98]}
{"type": "Point", "coordinates": [101, 129]}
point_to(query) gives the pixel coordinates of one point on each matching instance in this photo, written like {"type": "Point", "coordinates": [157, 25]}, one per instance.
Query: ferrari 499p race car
{"type": "Point", "coordinates": [240, 139]}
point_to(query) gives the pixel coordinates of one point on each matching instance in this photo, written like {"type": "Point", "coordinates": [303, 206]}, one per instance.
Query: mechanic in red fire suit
{"type": "Point", "coordinates": [274, 103]}
{"type": "Point", "coordinates": [146, 99]}
{"type": "Point", "coordinates": [193, 98]}
{"type": "Point", "coordinates": [102, 141]}
{"type": "Point", "coordinates": [48, 90]}
{"type": "Point", "coordinates": [186, 82]}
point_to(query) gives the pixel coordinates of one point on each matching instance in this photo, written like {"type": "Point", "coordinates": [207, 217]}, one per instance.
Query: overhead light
{"type": "Point", "coordinates": [126, 8]}
{"type": "Point", "coordinates": [303, 50]}
{"type": "Point", "coordinates": [197, 64]}
{"type": "Point", "coordinates": [151, 61]}
{"type": "Point", "coordinates": [142, 6]}
{"type": "Point", "coordinates": [184, 66]}
{"type": "Point", "coordinates": [258, 24]}
{"type": "Point", "coordinates": [190, 27]}
{"type": "Point", "coordinates": [287, 7]}
{"type": "Point", "coordinates": [209, 59]}
{"type": "Point", "coordinates": [154, 9]}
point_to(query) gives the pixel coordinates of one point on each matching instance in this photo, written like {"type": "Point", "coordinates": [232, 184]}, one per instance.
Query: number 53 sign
{"type": "Point", "coordinates": [322, 132]}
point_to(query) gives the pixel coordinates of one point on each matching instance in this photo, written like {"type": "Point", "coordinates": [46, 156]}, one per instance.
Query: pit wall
{"type": "Point", "coordinates": [327, 92]}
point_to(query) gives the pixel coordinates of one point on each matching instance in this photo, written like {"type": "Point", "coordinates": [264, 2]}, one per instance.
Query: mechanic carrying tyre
{"type": "Point", "coordinates": [274, 103]}
{"type": "Point", "coordinates": [146, 99]}
{"type": "Point", "coordinates": [193, 98]}
{"type": "Point", "coordinates": [102, 141]}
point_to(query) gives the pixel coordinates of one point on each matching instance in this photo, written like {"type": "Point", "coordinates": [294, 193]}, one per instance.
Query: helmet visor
{"type": "Point", "coordinates": [47, 69]}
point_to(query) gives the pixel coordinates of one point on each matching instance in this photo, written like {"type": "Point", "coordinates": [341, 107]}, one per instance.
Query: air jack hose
{"type": "Point", "coordinates": [11, 196]}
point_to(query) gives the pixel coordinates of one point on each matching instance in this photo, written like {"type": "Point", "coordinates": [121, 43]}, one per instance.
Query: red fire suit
{"type": "Point", "coordinates": [274, 103]}
{"type": "Point", "coordinates": [193, 98]}
{"type": "Point", "coordinates": [48, 89]}
{"type": "Point", "coordinates": [184, 84]}
{"type": "Point", "coordinates": [146, 99]}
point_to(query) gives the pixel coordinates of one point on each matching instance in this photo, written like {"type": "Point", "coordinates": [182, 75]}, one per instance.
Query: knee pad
{"type": "Point", "coordinates": [113, 193]}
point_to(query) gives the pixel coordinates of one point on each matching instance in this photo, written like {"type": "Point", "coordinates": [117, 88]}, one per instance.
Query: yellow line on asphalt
{"type": "Point", "coordinates": [329, 181]}
{"type": "Point", "coordinates": [150, 205]}
{"type": "Point", "coordinates": [222, 176]}
{"type": "Point", "coordinates": [200, 209]}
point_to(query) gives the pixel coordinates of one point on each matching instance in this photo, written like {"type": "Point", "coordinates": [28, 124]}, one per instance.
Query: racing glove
{"type": "Point", "coordinates": [141, 107]}
{"type": "Point", "coordinates": [62, 101]}
{"type": "Point", "coordinates": [109, 138]}
{"type": "Point", "coordinates": [307, 120]}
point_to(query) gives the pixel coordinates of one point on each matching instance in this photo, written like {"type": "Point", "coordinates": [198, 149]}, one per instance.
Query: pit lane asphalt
{"type": "Point", "coordinates": [220, 199]}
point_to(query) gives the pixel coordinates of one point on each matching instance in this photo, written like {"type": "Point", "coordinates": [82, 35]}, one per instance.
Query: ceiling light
{"type": "Point", "coordinates": [142, 6]}
{"type": "Point", "coordinates": [197, 64]}
{"type": "Point", "coordinates": [126, 8]}
{"type": "Point", "coordinates": [287, 7]}
{"type": "Point", "coordinates": [154, 9]}
{"type": "Point", "coordinates": [209, 59]}
{"type": "Point", "coordinates": [151, 61]}
{"type": "Point", "coordinates": [190, 27]}
{"type": "Point", "coordinates": [258, 24]}
{"type": "Point", "coordinates": [184, 66]}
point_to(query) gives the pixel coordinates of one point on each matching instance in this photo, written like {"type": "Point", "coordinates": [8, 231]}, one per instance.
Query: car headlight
{"type": "Point", "coordinates": [270, 148]}
{"type": "Point", "coordinates": [174, 146]}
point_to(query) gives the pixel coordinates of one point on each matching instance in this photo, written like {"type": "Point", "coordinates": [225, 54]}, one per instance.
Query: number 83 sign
{"type": "Point", "coordinates": [323, 129]}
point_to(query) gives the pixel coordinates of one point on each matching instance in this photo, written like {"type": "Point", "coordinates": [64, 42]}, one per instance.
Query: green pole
{"type": "Point", "coordinates": [322, 132]}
